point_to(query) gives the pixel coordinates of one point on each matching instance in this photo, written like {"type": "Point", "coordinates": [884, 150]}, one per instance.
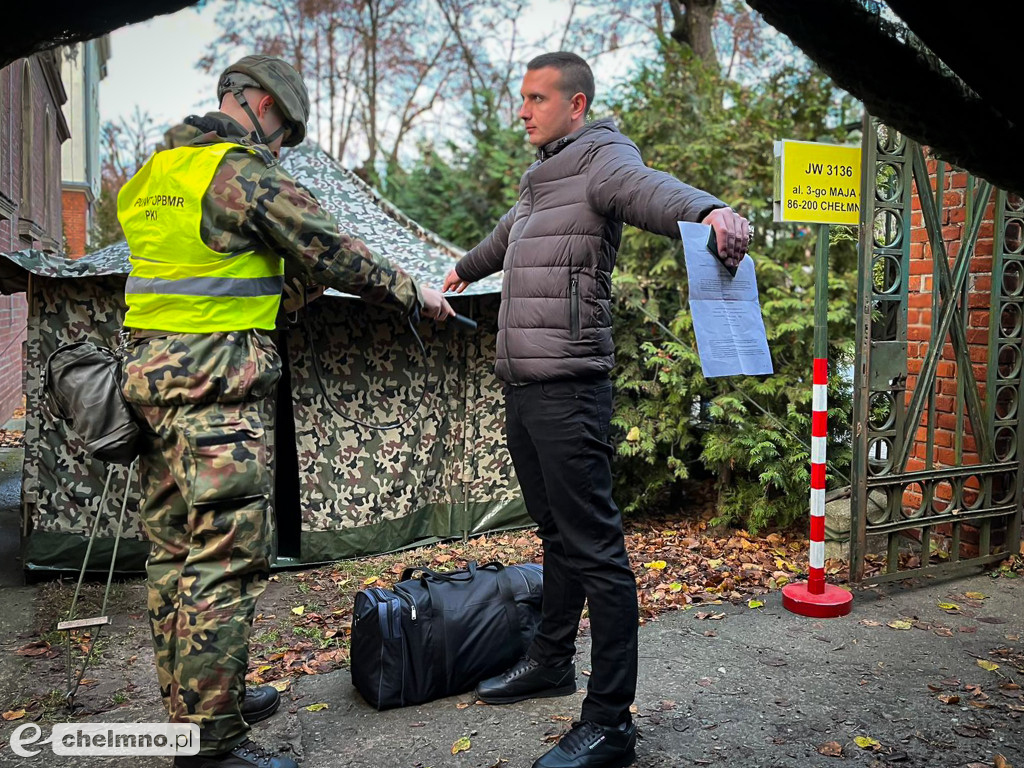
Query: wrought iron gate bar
{"type": "Point", "coordinates": [936, 474]}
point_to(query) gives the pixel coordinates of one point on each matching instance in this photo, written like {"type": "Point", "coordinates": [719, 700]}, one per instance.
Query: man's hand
{"type": "Point", "coordinates": [435, 306]}
{"type": "Point", "coordinates": [452, 282]}
{"type": "Point", "coordinates": [293, 298]}
{"type": "Point", "coordinates": [732, 233]}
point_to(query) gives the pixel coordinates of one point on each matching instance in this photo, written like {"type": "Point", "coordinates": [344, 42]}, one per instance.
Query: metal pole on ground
{"type": "Point", "coordinates": [814, 597]}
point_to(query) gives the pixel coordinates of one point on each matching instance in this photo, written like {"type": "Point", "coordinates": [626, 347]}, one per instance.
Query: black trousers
{"type": "Point", "coordinates": [558, 438]}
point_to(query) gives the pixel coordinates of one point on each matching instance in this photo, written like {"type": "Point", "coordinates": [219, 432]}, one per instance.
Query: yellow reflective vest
{"type": "Point", "coordinates": [176, 282]}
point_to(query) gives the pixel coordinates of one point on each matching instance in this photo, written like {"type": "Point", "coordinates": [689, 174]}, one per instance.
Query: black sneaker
{"type": "Point", "coordinates": [248, 754]}
{"type": "Point", "coordinates": [589, 745]}
{"type": "Point", "coordinates": [260, 703]}
{"type": "Point", "coordinates": [527, 679]}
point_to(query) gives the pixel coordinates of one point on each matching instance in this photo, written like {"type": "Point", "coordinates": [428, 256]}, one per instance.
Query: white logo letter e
{"type": "Point", "coordinates": [17, 740]}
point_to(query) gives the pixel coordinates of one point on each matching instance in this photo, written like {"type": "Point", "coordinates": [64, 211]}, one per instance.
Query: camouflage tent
{"type": "Point", "coordinates": [342, 490]}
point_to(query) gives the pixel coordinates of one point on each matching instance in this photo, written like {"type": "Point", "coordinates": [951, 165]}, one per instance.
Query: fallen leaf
{"type": "Point", "coordinates": [900, 624]}
{"type": "Point", "coordinates": [990, 666]}
{"type": "Point", "coordinates": [369, 581]}
{"type": "Point", "coordinates": [752, 603]}
{"type": "Point", "coordinates": [947, 607]}
{"type": "Point", "coordinates": [462, 705]}
{"type": "Point", "coordinates": [298, 610]}
{"type": "Point", "coordinates": [667, 705]}
{"type": "Point", "coordinates": [657, 565]}
{"type": "Point", "coordinates": [317, 707]}
{"type": "Point", "coordinates": [1000, 762]}
{"type": "Point", "coordinates": [831, 749]}
{"type": "Point", "coordinates": [281, 685]}
{"type": "Point", "coordinates": [675, 587]}
{"type": "Point", "coordinates": [975, 596]}
{"type": "Point", "coordinates": [37, 648]}
{"type": "Point", "coordinates": [944, 632]}
{"type": "Point", "coordinates": [461, 745]}
{"type": "Point", "coordinates": [991, 619]}
{"type": "Point", "coordinates": [949, 698]}
{"type": "Point", "coordinates": [866, 742]}
{"type": "Point", "coordinates": [868, 623]}
{"type": "Point", "coordinates": [13, 714]}
{"type": "Point", "coordinates": [568, 718]}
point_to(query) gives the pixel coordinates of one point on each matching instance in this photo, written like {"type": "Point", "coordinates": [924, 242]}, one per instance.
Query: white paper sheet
{"type": "Point", "coordinates": [726, 312]}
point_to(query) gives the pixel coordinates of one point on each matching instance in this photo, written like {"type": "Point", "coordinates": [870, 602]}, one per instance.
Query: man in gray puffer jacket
{"type": "Point", "coordinates": [557, 249]}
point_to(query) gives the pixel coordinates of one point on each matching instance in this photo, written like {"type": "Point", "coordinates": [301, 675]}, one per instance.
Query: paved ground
{"type": "Point", "coordinates": [756, 688]}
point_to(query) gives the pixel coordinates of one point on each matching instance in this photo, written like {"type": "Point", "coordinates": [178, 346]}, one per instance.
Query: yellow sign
{"type": "Point", "coordinates": [817, 183]}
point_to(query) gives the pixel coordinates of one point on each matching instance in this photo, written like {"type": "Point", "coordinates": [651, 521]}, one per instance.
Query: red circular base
{"type": "Point", "coordinates": [833, 602]}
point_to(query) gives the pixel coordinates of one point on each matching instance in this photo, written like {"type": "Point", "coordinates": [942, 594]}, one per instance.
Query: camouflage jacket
{"type": "Point", "coordinates": [252, 203]}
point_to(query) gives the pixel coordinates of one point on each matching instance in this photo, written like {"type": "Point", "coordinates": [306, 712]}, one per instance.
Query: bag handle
{"type": "Point", "coordinates": [466, 574]}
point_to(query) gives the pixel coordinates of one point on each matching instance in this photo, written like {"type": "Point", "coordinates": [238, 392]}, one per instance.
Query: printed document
{"type": "Point", "coordinates": [726, 313]}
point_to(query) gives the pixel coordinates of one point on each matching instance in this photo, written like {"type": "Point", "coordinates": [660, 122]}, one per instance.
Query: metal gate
{"type": "Point", "coordinates": [938, 366]}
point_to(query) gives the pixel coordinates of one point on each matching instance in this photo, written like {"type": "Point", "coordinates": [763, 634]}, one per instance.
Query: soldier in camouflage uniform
{"type": "Point", "coordinates": [205, 471]}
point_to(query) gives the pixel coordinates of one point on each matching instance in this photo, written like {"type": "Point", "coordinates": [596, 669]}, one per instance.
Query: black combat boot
{"type": "Point", "coordinates": [527, 679]}
{"type": "Point", "coordinates": [248, 754]}
{"type": "Point", "coordinates": [589, 745]}
{"type": "Point", "coordinates": [260, 703]}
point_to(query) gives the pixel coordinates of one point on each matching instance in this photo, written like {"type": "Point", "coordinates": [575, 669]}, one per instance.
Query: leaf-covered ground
{"type": "Point", "coordinates": [304, 620]}
{"type": "Point", "coordinates": [680, 564]}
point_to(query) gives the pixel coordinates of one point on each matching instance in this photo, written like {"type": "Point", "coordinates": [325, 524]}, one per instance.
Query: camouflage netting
{"type": "Point", "coordinates": [357, 491]}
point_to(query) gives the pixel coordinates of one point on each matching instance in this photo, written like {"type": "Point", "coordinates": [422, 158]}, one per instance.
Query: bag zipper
{"type": "Point", "coordinates": [412, 603]}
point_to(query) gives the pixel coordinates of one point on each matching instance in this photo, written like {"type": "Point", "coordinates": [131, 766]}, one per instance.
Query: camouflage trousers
{"type": "Point", "coordinates": [206, 483]}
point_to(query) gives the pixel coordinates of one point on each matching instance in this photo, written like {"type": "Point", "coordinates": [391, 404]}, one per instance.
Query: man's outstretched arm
{"type": "Point", "coordinates": [621, 186]}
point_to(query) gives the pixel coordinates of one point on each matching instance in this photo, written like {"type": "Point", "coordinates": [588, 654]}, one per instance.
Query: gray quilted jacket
{"type": "Point", "coordinates": [557, 248]}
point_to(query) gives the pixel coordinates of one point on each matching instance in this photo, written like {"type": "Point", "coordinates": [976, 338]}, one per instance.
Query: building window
{"type": "Point", "coordinates": [47, 221]}
{"type": "Point", "coordinates": [26, 142]}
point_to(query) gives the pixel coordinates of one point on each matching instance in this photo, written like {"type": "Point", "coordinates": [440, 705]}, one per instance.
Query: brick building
{"type": "Point", "coordinates": [84, 66]}
{"type": "Point", "coordinates": [32, 129]}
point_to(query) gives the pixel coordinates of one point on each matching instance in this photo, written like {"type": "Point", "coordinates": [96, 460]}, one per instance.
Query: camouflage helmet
{"type": "Point", "coordinates": [278, 78]}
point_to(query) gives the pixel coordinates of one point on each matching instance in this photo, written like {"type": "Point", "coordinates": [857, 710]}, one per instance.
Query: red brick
{"type": "Point", "coordinates": [76, 207]}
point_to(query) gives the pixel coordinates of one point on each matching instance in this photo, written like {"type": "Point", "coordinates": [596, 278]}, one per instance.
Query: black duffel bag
{"type": "Point", "coordinates": [442, 633]}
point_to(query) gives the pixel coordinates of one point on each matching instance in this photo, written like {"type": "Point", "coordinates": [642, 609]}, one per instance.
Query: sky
{"type": "Point", "coordinates": [152, 64]}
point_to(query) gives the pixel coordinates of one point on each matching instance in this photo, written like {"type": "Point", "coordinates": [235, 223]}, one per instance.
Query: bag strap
{"type": "Point", "coordinates": [466, 574]}
{"type": "Point", "coordinates": [508, 602]}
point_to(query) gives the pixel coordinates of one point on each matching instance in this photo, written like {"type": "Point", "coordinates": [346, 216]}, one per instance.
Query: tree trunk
{"type": "Point", "coordinates": [693, 22]}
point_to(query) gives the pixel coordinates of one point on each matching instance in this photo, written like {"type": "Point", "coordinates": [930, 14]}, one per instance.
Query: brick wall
{"type": "Point", "coordinates": [36, 221]}
{"type": "Point", "coordinates": [13, 316]}
{"type": "Point", "coordinates": [75, 204]}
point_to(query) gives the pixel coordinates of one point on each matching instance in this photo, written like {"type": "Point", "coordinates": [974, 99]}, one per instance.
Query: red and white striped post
{"type": "Point", "coordinates": [814, 597]}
